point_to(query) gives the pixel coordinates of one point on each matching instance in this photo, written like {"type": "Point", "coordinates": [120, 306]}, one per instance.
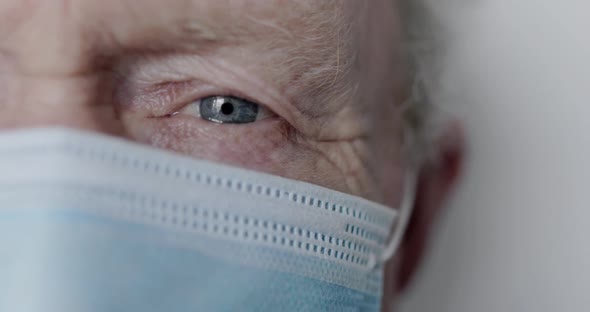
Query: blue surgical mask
{"type": "Point", "coordinates": [93, 223]}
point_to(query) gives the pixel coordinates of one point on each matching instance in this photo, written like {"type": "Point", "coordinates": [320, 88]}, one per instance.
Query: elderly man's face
{"type": "Point", "coordinates": [309, 90]}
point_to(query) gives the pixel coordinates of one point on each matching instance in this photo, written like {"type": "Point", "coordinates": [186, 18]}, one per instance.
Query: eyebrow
{"type": "Point", "coordinates": [204, 22]}
{"type": "Point", "coordinates": [192, 23]}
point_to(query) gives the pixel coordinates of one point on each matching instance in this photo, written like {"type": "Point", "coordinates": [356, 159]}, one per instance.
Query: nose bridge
{"type": "Point", "coordinates": [75, 102]}
{"type": "Point", "coordinates": [57, 95]}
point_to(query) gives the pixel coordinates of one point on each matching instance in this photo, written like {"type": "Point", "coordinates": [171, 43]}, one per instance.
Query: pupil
{"type": "Point", "coordinates": [227, 108]}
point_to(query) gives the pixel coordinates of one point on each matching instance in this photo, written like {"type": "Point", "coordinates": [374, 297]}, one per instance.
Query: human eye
{"type": "Point", "coordinates": [226, 110]}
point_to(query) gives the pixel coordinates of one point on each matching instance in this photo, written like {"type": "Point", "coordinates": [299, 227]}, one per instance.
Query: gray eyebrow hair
{"type": "Point", "coordinates": [194, 29]}
{"type": "Point", "coordinates": [300, 10]}
{"type": "Point", "coordinates": [323, 57]}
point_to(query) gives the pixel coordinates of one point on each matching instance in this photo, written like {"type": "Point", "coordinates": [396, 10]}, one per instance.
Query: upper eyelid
{"type": "Point", "coordinates": [169, 97]}
{"type": "Point", "coordinates": [224, 74]}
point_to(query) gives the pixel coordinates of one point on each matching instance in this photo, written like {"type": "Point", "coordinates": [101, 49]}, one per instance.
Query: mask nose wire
{"type": "Point", "coordinates": [403, 218]}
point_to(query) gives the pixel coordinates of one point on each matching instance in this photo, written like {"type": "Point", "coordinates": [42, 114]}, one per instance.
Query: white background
{"type": "Point", "coordinates": [517, 235]}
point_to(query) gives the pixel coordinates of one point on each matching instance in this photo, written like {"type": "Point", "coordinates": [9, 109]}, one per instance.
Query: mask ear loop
{"type": "Point", "coordinates": [406, 206]}
{"type": "Point", "coordinates": [403, 218]}
{"type": "Point", "coordinates": [405, 212]}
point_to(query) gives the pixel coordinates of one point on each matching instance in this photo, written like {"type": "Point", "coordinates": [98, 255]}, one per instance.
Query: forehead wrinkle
{"type": "Point", "coordinates": [209, 20]}
{"type": "Point", "coordinates": [291, 24]}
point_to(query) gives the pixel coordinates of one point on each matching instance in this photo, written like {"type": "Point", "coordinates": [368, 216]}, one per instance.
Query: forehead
{"type": "Point", "coordinates": [209, 19]}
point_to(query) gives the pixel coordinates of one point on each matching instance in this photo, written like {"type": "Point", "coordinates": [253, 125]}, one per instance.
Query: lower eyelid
{"type": "Point", "coordinates": [207, 140]}
{"type": "Point", "coordinates": [189, 124]}
{"type": "Point", "coordinates": [194, 120]}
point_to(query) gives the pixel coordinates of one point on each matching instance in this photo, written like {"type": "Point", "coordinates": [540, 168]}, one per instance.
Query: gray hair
{"type": "Point", "coordinates": [421, 47]}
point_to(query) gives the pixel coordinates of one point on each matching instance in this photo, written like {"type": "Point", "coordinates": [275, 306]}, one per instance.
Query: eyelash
{"type": "Point", "coordinates": [172, 97]}
{"type": "Point", "coordinates": [241, 111]}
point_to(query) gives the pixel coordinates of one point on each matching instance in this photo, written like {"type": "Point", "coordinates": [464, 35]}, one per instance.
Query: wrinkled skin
{"type": "Point", "coordinates": [326, 74]}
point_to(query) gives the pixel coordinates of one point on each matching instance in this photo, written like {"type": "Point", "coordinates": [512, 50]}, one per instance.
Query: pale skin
{"type": "Point", "coordinates": [325, 75]}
